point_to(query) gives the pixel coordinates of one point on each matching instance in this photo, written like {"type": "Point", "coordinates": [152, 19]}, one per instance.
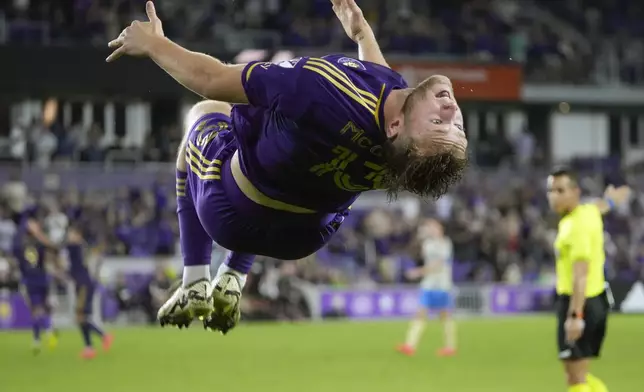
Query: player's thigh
{"type": "Point", "coordinates": [424, 299]}
{"type": "Point", "coordinates": [84, 299]}
{"type": "Point", "coordinates": [432, 300]}
{"type": "Point", "coordinates": [566, 351]}
{"type": "Point", "coordinates": [196, 114]}
{"type": "Point", "coordinates": [34, 295]}
{"type": "Point", "coordinates": [306, 234]}
{"type": "Point", "coordinates": [596, 319]}
{"type": "Point", "coordinates": [440, 301]}
{"type": "Point", "coordinates": [590, 343]}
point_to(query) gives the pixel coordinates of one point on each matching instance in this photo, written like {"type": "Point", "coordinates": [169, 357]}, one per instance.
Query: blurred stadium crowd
{"type": "Point", "coordinates": [498, 219]}
{"type": "Point", "coordinates": [572, 41]}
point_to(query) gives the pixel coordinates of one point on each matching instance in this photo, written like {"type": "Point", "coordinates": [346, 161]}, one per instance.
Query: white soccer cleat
{"type": "Point", "coordinates": [186, 304]}
{"type": "Point", "coordinates": [226, 297]}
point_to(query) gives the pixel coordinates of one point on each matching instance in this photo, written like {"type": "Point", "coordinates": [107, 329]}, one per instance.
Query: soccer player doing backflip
{"type": "Point", "coordinates": [276, 173]}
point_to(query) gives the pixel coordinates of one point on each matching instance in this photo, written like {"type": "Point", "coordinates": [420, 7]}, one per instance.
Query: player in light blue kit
{"type": "Point", "coordinates": [435, 288]}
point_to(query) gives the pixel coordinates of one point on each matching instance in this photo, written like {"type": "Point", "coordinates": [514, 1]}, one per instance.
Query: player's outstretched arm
{"type": "Point", "coordinates": [34, 229]}
{"type": "Point", "coordinates": [613, 197]}
{"type": "Point", "coordinates": [358, 29]}
{"type": "Point", "coordinates": [198, 72]}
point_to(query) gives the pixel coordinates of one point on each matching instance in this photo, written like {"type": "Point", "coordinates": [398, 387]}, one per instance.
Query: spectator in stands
{"type": "Point", "coordinates": [95, 148]}
{"type": "Point", "coordinates": [290, 301]}
{"type": "Point", "coordinates": [18, 138]}
{"type": "Point", "coordinates": [7, 229]}
{"type": "Point", "coordinates": [44, 143]}
{"type": "Point", "coordinates": [156, 294]}
{"type": "Point", "coordinates": [9, 278]}
{"type": "Point", "coordinates": [553, 49]}
{"type": "Point", "coordinates": [123, 294]}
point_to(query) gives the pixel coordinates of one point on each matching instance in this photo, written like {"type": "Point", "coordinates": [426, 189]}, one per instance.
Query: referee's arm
{"type": "Point", "coordinates": [579, 282]}
{"type": "Point", "coordinates": [613, 197]}
{"type": "Point", "coordinates": [580, 255]}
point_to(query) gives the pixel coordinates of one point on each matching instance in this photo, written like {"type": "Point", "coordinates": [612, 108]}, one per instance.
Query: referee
{"type": "Point", "coordinates": [582, 299]}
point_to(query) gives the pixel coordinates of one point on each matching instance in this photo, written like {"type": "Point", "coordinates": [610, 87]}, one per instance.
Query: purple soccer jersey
{"type": "Point", "coordinates": [30, 257]}
{"type": "Point", "coordinates": [277, 179]}
{"type": "Point", "coordinates": [78, 269]}
{"type": "Point", "coordinates": [84, 285]}
{"type": "Point", "coordinates": [312, 135]}
{"type": "Point", "coordinates": [29, 254]}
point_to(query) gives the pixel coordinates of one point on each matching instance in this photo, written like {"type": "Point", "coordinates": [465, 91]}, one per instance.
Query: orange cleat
{"type": "Point", "coordinates": [107, 341]}
{"type": "Point", "coordinates": [88, 353]}
{"type": "Point", "coordinates": [446, 352]}
{"type": "Point", "coordinates": [406, 350]}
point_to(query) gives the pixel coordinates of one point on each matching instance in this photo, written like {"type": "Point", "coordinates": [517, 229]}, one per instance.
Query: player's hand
{"type": "Point", "coordinates": [135, 40]}
{"type": "Point", "coordinates": [352, 19]}
{"type": "Point", "coordinates": [414, 273]}
{"type": "Point", "coordinates": [574, 328]}
{"type": "Point", "coordinates": [618, 195]}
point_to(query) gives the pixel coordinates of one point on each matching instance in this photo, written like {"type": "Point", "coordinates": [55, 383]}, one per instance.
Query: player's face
{"type": "Point", "coordinates": [431, 229]}
{"type": "Point", "coordinates": [435, 229]}
{"type": "Point", "coordinates": [428, 153]}
{"type": "Point", "coordinates": [433, 117]}
{"type": "Point", "coordinates": [562, 193]}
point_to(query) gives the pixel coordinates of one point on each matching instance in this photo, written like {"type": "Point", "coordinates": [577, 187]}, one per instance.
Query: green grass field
{"type": "Point", "coordinates": [496, 355]}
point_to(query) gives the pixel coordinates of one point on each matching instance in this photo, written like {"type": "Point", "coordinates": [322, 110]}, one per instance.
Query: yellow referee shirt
{"type": "Point", "coordinates": [581, 239]}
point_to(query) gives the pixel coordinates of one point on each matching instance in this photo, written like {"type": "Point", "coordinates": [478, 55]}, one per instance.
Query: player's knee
{"type": "Point", "coordinates": [196, 112]}
{"type": "Point", "coordinates": [574, 378]}
{"type": "Point", "coordinates": [575, 372]}
{"type": "Point", "coordinates": [205, 107]}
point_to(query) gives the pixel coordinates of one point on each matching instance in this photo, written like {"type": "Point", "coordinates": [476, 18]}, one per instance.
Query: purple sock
{"type": "Point", "coordinates": [240, 262]}
{"type": "Point", "coordinates": [196, 244]}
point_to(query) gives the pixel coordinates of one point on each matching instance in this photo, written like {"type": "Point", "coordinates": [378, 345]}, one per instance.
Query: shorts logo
{"type": "Point", "coordinates": [351, 63]}
{"type": "Point", "coordinates": [289, 63]}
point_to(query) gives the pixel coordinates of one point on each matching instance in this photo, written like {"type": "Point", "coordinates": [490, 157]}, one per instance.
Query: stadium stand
{"type": "Point", "coordinates": [558, 41]}
{"type": "Point", "coordinates": [500, 235]}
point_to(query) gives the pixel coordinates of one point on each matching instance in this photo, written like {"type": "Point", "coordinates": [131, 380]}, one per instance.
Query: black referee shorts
{"type": "Point", "coordinates": [595, 317]}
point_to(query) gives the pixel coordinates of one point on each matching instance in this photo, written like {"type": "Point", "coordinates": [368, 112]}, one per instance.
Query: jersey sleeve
{"type": "Point", "coordinates": [275, 86]}
{"type": "Point", "coordinates": [580, 237]}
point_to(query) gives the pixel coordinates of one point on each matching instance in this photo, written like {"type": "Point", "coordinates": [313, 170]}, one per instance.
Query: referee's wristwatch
{"type": "Point", "coordinates": [576, 315]}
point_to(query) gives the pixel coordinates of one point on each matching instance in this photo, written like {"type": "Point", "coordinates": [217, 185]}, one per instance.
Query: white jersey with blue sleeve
{"type": "Point", "coordinates": [437, 254]}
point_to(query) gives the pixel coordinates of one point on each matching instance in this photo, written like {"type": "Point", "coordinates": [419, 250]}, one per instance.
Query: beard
{"type": "Point", "coordinates": [426, 175]}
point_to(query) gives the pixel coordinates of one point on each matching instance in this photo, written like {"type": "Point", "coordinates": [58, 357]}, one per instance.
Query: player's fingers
{"type": "Point", "coordinates": [116, 54]}
{"type": "Point", "coordinates": [151, 12]}
{"type": "Point", "coordinates": [116, 43]}
{"type": "Point", "coordinates": [353, 6]}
